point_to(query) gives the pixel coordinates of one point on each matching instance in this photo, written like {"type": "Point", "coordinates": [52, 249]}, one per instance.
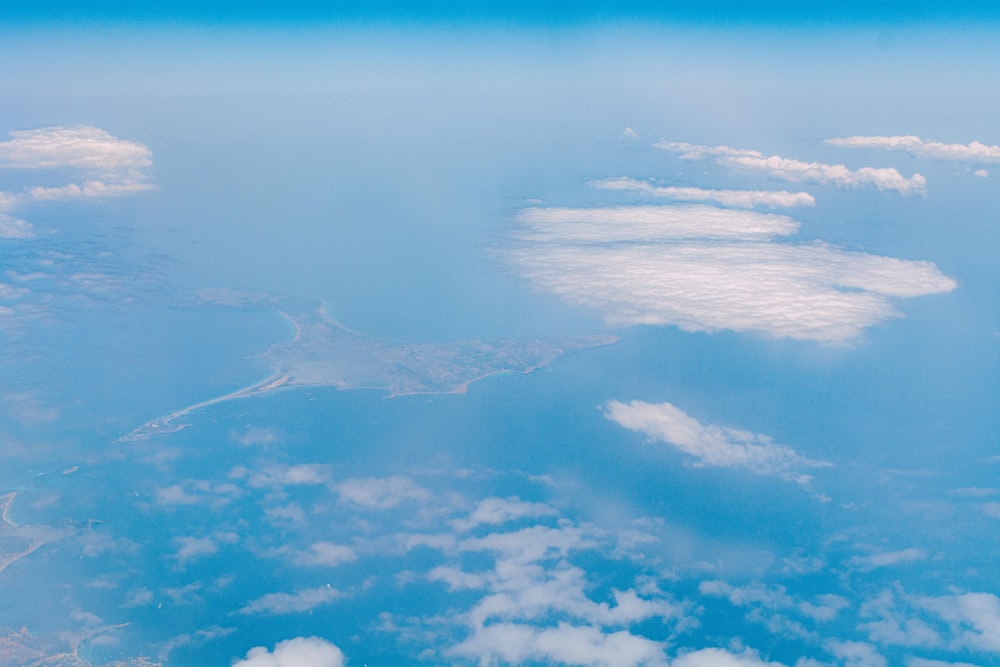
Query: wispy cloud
{"type": "Point", "coordinates": [734, 198]}
{"type": "Point", "coordinates": [710, 445]}
{"type": "Point", "coordinates": [788, 169]}
{"type": "Point", "coordinates": [380, 492]}
{"type": "Point", "coordinates": [888, 558]}
{"type": "Point", "coordinates": [109, 167]}
{"type": "Point", "coordinates": [971, 152]}
{"type": "Point", "coordinates": [325, 554]}
{"type": "Point", "coordinates": [493, 511]}
{"type": "Point", "coordinates": [292, 603]}
{"type": "Point", "coordinates": [703, 268]}
{"type": "Point", "coordinates": [297, 652]}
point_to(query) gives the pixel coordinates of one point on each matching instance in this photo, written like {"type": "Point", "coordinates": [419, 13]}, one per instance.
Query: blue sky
{"type": "Point", "coordinates": [785, 215]}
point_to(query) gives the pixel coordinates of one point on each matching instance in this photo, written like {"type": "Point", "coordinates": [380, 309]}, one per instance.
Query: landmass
{"type": "Point", "coordinates": [21, 648]}
{"type": "Point", "coordinates": [324, 353]}
{"type": "Point", "coordinates": [17, 542]}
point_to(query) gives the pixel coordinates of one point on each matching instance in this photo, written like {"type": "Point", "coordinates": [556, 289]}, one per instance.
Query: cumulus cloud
{"type": "Point", "coordinates": [717, 657]}
{"type": "Point", "coordinates": [109, 167]}
{"type": "Point", "coordinates": [711, 445]}
{"type": "Point", "coordinates": [734, 198]}
{"type": "Point", "coordinates": [702, 268]}
{"type": "Point", "coordinates": [292, 603]}
{"type": "Point", "coordinates": [799, 171]}
{"type": "Point", "coordinates": [513, 643]}
{"type": "Point", "coordinates": [971, 152]}
{"type": "Point", "coordinates": [297, 652]}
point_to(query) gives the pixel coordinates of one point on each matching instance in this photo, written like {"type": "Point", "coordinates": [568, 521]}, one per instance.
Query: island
{"type": "Point", "coordinates": [324, 353]}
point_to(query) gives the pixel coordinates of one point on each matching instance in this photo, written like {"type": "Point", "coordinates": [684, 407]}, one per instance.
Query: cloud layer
{"type": "Point", "coordinates": [710, 445]}
{"type": "Point", "coordinates": [703, 268]}
{"type": "Point", "coordinates": [788, 169]}
{"type": "Point", "coordinates": [971, 152]}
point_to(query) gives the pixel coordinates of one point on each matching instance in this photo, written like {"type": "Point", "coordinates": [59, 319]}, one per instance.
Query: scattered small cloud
{"type": "Point", "coordinates": [788, 169]}
{"type": "Point", "coordinates": [734, 198]}
{"type": "Point", "coordinates": [712, 446]}
{"type": "Point", "coordinates": [297, 652]}
{"type": "Point", "coordinates": [325, 554]}
{"type": "Point", "coordinates": [279, 604]}
{"type": "Point", "coordinates": [191, 548]}
{"type": "Point", "coordinates": [257, 436]}
{"type": "Point", "coordinates": [981, 173]}
{"type": "Point", "coordinates": [887, 559]}
{"type": "Point", "coordinates": [493, 511]}
{"type": "Point", "coordinates": [970, 152]}
{"type": "Point", "coordinates": [856, 654]}
{"type": "Point", "coordinates": [380, 492]}
{"type": "Point", "coordinates": [923, 662]}
{"type": "Point", "coordinates": [629, 133]}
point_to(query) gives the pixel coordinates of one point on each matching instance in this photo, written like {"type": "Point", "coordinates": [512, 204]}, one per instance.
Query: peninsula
{"type": "Point", "coordinates": [324, 353]}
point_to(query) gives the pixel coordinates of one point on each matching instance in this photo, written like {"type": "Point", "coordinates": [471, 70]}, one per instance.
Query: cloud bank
{"type": "Point", "coordinates": [971, 152]}
{"type": "Point", "coordinates": [109, 167]}
{"type": "Point", "coordinates": [712, 446]}
{"type": "Point", "coordinates": [733, 198]}
{"type": "Point", "coordinates": [788, 169]}
{"type": "Point", "coordinates": [703, 268]}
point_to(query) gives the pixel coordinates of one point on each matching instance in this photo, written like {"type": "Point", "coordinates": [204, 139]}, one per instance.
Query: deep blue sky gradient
{"type": "Point", "coordinates": [785, 13]}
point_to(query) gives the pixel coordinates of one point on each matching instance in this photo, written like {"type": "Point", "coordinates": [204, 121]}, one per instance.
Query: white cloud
{"type": "Point", "coordinates": [702, 268]}
{"type": "Point", "coordinates": [292, 603]}
{"type": "Point", "coordinates": [921, 662]}
{"type": "Point", "coordinates": [619, 224]}
{"type": "Point", "coordinates": [87, 148]}
{"type": "Point", "coordinates": [887, 558]}
{"type": "Point", "coordinates": [111, 167]}
{"type": "Point", "coordinates": [735, 198]}
{"type": "Point", "coordinates": [629, 133]}
{"type": "Point", "coordinates": [712, 445]}
{"type": "Point", "coordinates": [896, 622]}
{"type": "Point", "coordinates": [971, 152]}
{"type": "Point", "coordinates": [567, 644]}
{"type": "Point", "coordinates": [380, 492]}
{"type": "Point", "coordinates": [297, 652]}
{"type": "Point", "coordinates": [981, 173]}
{"type": "Point", "coordinates": [325, 554]}
{"type": "Point", "coordinates": [796, 170]}
{"type": "Point", "coordinates": [745, 596]}
{"type": "Point", "coordinates": [495, 511]}
{"type": "Point", "coordinates": [281, 475]}
{"type": "Point", "coordinates": [190, 548]}
{"type": "Point", "coordinates": [716, 657]}
{"type": "Point", "coordinates": [974, 619]}
{"type": "Point", "coordinates": [856, 654]}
